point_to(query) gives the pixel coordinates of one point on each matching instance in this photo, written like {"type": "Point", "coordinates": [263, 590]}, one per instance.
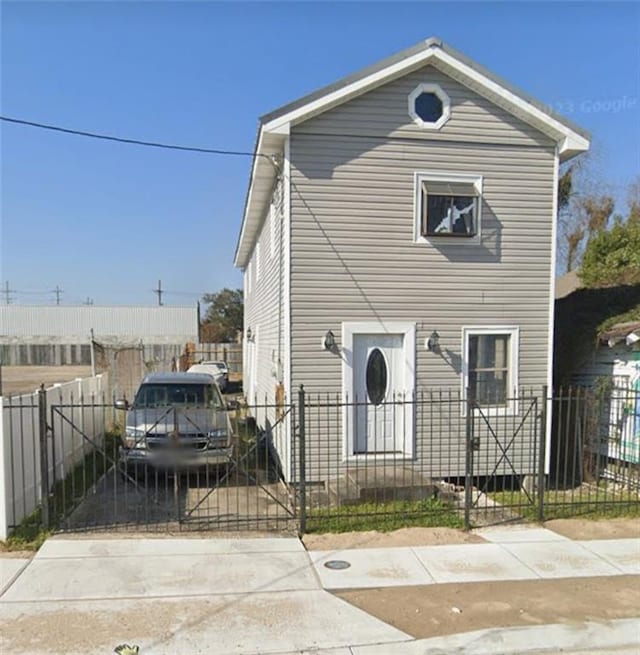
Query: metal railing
{"type": "Point", "coordinates": [322, 462]}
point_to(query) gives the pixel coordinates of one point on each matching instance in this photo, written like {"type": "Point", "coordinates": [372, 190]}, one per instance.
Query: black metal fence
{"type": "Point", "coordinates": [326, 463]}
{"type": "Point", "coordinates": [445, 460]}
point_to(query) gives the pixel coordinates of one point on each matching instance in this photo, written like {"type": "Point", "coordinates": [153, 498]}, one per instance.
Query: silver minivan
{"type": "Point", "coordinates": [176, 421]}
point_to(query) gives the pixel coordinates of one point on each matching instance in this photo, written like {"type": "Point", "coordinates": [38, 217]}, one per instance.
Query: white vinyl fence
{"type": "Point", "coordinates": [80, 410]}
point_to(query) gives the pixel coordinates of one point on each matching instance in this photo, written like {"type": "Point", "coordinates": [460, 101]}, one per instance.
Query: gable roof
{"type": "Point", "coordinates": [275, 126]}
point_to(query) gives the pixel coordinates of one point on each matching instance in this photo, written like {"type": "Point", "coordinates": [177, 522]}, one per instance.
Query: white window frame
{"type": "Point", "coordinates": [422, 177]}
{"type": "Point", "coordinates": [349, 329]}
{"type": "Point", "coordinates": [247, 278]}
{"type": "Point", "coordinates": [513, 331]}
{"type": "Point", "coordinates": [436, 89]}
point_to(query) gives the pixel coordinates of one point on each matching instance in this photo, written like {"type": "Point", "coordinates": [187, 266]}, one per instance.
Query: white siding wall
{"type": "Point", "coordinates": [353, 254]}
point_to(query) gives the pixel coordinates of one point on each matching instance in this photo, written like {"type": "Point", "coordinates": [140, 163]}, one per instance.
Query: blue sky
{"type": "Point", "coordinates": [106, 221]}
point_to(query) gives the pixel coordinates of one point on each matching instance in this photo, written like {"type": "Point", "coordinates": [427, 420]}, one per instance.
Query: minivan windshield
{"type": "Point", "coordinates": [171, 394]}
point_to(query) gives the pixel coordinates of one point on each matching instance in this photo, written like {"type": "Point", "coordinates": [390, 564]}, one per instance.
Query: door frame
{"type": "Point", "coordinates": [349, 329]}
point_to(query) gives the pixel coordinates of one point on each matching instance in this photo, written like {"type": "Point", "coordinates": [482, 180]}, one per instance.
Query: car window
{"type": "Point", "coordinates": [175, 394]}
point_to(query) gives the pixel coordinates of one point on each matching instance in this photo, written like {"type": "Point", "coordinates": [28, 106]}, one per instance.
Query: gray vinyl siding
{"type": "Point", "coordinates": [264, 314]}
{"type": "Point", "coordinates": [383, 113]}
{"type": "Point", "coordinates": [353, 256]}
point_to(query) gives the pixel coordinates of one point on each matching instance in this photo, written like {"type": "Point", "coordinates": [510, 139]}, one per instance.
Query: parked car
{"type": "Point", "coordinates": [176, 421]}
{"type": "Point", "coordinates": [219, 370]}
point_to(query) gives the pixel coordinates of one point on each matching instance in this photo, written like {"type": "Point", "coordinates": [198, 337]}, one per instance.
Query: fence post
{"type": "Point", "coordinates": [542, 454]}
{"type": "Point", "coordinates": [303, 458]}
{"type": "Point", "coordinates": [44, 455]}
{"type": "Point", "coordinates": [468, 467]}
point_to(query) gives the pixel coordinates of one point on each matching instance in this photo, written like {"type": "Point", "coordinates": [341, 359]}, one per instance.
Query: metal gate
{"type": "Point", "coordinates": [285, 470]}
{"type": "Point", "coordinates": [91, 486]}
{"type": "Point", "coordinates": [505, 461]}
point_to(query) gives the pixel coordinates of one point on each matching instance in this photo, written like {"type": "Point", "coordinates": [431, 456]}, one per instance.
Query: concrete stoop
{"type": "Point", "coordinates": [382, 484]}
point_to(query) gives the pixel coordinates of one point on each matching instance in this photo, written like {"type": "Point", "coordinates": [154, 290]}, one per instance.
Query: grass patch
{"type": "Point", "coordinates": [585, 502]}
{"type": "Point", "coordinates": [29, 535]}
{"type": "Point", "coordinates": [384, 517]}
{"type": "Point", "coordinates": [65, 496]}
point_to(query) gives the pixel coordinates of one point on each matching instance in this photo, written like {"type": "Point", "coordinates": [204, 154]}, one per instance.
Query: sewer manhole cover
{"type": "Point", "coordinates": [337, 564]}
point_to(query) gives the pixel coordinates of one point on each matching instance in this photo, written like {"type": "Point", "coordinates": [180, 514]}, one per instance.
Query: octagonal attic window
{"type": "Point", "coordinates": [429, 106]}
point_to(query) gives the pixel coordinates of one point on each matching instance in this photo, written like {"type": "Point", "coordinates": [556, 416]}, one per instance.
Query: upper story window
{"type": "Point", "coordinates": [429, 106]}
{"type": "Point", "coordinates": [447, 205]}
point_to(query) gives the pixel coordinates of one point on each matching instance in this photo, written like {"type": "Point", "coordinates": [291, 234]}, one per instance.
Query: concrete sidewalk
{"type": "Point", "coordinates": [511, 554]}
{"type": "Point", "coordinates": [269, 595]}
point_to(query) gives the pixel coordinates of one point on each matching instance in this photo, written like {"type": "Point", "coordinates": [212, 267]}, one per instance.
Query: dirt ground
{"type": "Point", "coordinates": [434, 610]}
{"type": "Point", "coordinates": [585, 529]}
{"type": "Point", "coordinates": [27, 379]}
{"type": "Point", "coordinates": [402, 537]}
{"type": "Point", "coordinates": [579, 529]}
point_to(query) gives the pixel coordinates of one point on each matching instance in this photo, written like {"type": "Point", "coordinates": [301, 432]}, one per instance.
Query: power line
{"type": "Point", "coordinates": [137, 142]}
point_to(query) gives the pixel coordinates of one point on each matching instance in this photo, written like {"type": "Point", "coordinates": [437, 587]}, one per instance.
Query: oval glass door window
{"type": "Point", "coordinates": [376, 376]}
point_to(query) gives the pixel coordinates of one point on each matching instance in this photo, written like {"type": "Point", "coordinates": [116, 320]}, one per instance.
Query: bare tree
{"type": "Point", "coordinates": [584, 207]}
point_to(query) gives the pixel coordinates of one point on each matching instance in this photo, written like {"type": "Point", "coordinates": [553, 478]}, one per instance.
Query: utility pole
{"type": "Point", "coordinates": [58, 291]}
{"type": "Point", "coordinates": [159, 292]}
{"type": "Point", "coordinates": [7, 293]}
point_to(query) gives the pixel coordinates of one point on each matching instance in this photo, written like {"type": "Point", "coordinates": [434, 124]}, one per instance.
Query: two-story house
{"type": "Point", "coordinates": [399, 239]}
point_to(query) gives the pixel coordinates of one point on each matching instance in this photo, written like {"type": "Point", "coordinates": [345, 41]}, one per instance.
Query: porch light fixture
{"type": "Point", "coordinates": [329, 341]}
{"type": "Point", "coordinates": [249, 334]}
{"type": "Point", "coordinates": [433, 342]}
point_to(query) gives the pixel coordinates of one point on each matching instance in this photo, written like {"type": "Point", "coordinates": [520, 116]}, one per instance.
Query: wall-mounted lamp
{"type": "Point", "coordinates": [249, 334]}
{"type": "Point", "coordinates": [433, 342]}
{"type": "Point", "coordinates": [329, 341]}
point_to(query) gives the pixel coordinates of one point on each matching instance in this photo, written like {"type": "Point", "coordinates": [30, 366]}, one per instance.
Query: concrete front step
{"type": "Point", "coordinates": [382, 484]}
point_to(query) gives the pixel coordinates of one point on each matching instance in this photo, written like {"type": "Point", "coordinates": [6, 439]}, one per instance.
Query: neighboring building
{"type": "Point", "coordinates": [598, 350]}
{"type": "Point", "coordinates": [62, 334]}
{"type": "Point", "coordinates": [623, 442]}
{"type": "Point", "coordinates": [415, 197]}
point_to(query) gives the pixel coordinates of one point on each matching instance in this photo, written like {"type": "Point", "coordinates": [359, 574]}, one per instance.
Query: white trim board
{"type": "Point", "coordinates": [285, 244]}
{"type": "Point", "coordinates": [552, 306]}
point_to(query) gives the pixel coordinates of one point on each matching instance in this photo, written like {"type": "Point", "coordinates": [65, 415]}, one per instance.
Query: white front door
{"type": "Point", "coordinates": [379, 387]}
